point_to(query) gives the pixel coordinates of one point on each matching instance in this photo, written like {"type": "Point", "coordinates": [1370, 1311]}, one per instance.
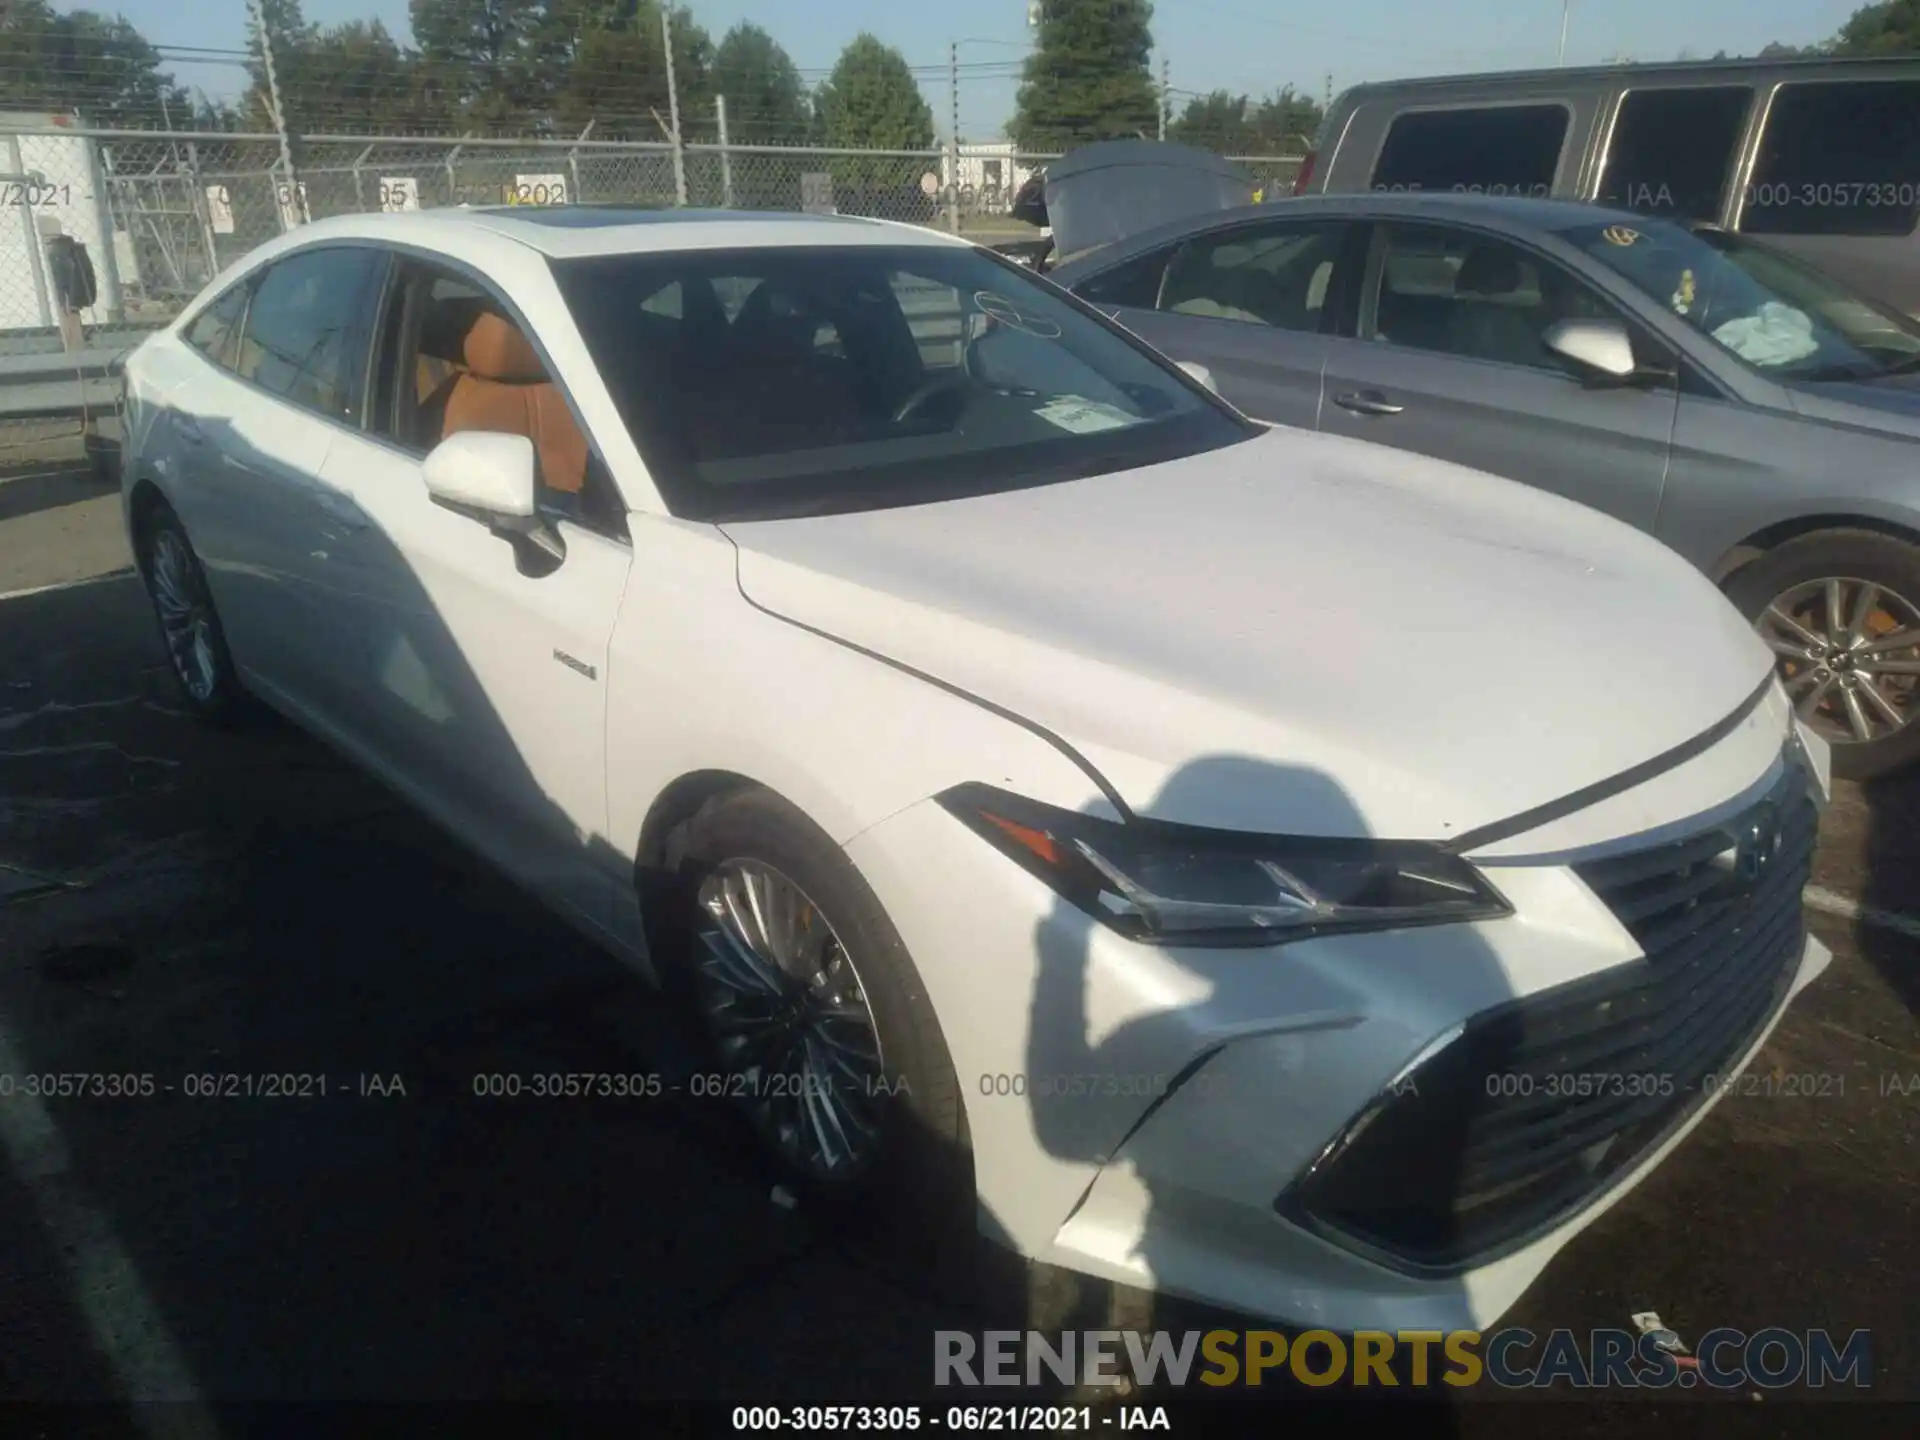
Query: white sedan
{"type": "Point", "coordinates": [1051, 788]}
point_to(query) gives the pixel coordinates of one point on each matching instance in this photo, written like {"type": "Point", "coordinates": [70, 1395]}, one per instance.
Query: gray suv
{"type": "Point", "coordinates": [1815, 156]}
{"type": "Point", "coordinates": [1758, 416]}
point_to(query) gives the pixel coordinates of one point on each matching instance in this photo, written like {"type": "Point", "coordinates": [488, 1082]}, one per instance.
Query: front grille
{"type": "Point", "coordinates": [1537, 1104]}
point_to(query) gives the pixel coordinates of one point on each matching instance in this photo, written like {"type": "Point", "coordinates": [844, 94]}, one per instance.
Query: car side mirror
{"type": "Point", "coordinates": [1602, 349]}
{"type": "Point", "coordinates": [485, 473]}
{"type": "Point", "coordinates": [1199, 372]}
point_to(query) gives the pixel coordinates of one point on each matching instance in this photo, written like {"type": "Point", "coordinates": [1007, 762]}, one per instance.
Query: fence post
{"type": "Point", "coordinates": [1166, 96]}
{"type": "Point", "coordinates": [36, 262]}
{"type": "Point", "coordinates": [726, 155]}
{"type": "Point", "coordinates": [201, 213]}
{"type": "Point", "coordinates": [100, 162]}
{"type": "Point", "coordinates": [673, 108]}
{"type": "Point", "coordinates": [359, 191]}
{"type": "Point", "coordinates": [453, 177]}
{"type": "Point", "coordinates": [953, 137]}
{"type": "Point", "coordinates": [573, 163]}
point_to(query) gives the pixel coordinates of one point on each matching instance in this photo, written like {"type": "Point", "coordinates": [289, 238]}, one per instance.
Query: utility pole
{"type": "Point", "coordinates": [953, 136]}
{"type": "Point", "coordinates": [1566, 10]}
{"type": "Point", "coordinates": [279, 111]}
{"type": "Point", "coordinates": [1326, 104]}
{"type": "Point", "coordinates": [726, 155]}
{"type": "Point", "coordinates": [673, 109]}
{"type": "Point", "coordinates": [1166, 96]}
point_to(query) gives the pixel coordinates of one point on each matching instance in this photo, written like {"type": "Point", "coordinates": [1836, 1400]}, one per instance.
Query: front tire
{"type": "Point", "coordinates": [190, 628]}
{"type": "Point", "coordinates": [815, 1013]}
{"type": "Point", "coordinates": [1841, 611]}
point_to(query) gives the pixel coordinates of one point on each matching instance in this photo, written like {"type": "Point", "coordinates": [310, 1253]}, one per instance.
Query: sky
{"type": "Point", "coordinates": [1238, 45]}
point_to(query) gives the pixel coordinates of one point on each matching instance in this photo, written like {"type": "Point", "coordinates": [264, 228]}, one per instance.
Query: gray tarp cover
{"type": "Point", "coordinates": [1105, 192]}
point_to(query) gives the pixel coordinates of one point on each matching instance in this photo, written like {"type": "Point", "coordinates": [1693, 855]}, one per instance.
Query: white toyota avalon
{"type": "Point", "coordinates": [1223, 844]}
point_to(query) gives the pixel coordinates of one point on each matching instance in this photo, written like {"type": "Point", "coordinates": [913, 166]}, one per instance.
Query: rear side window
{"type": "Point", "coordinates": [1672, 150]}
{"type": "Point", "coordinates": [309, 329]}
{"type": "Point", "coordinates": [1838, 158]}
{"type": "Point", "coordinates": [215, 329]}
{"type": "Point", "coordinates": [1506, 150]}
{"type": "Point", "coordinates": [1275, 275]}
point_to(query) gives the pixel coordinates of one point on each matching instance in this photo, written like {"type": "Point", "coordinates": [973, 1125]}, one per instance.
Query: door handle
{"type": "Point", "coordinates": [1367, 402]}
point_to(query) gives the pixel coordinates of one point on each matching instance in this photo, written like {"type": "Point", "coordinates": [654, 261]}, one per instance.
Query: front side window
{"type": "Point", "coordinates": [1134, 283]}
{"type": "Point", "coordinates": [1837, 158]}
{"type": "Point", "coordinates": [1781, 317]}
{"type": "Point", "coordinates": [1672, 150]}
{"type": "Point", "coordinates": [1500, 150]}
{"type": "Point", "coordinates": [215, 329]}
{"type": "Point", "coordinates": [1459, 293]}
{"type": "Point", "coordinates": [817, 379]}
{"type": "Point", "coordinates": [309, 328]}
{"type": "Point", "coordinates": [1273, 275]}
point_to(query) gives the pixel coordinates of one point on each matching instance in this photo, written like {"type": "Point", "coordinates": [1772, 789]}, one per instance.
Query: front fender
{"type": "Point", "coordinates": [699, 681]}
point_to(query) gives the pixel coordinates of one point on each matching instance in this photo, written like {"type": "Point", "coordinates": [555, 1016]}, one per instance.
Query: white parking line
{"type": "Point", "coordinates": [1829, 903]}
{"type": "Point", "coordinates": [125, 1322]}
{"type": "Point", "coordinates": [125, 572]}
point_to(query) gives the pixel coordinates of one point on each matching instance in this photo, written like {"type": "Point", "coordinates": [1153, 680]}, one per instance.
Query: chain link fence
{"type": "Point", "coordinates": [161, 213]}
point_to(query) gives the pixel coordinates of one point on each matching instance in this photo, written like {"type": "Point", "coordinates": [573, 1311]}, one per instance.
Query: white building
{"type": "Point", "coordinates": [989, 173]}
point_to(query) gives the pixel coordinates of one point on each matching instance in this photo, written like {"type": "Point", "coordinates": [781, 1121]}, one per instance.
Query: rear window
{"type": "Point", "coordinates": [1503, 150]}
{"type": "Point", "coordinates": [1838, 158]}
{"type": "Point", "coordinates": [1672, 150]}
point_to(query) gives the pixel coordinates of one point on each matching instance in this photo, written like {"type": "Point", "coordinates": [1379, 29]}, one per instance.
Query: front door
{"type": "Point", "coordinates": [1449, 361]}
{"type": "Point", "coordinates": [482, 663]}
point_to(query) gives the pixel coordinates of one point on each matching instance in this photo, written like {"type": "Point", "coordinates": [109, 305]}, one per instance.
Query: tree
{"type": "Point", "coordinates": [871, 102]}
{"type": "Point", "coordinates": [610, 68]}
{"type": "Point", "coordinates": [1214, 122]}
{"type": "Point", "coordinates": [480, 57]}
{"type": "Point", "coordinates": [98, 65]}
{"type": "Point", "coordinates": [1889, 28]}
{"type": "Point", "coordinates": [1282, 124]}
{"type": "Point", "coordinates": [766, 101]}
{"type": "Point", "coordinates": [1088, 77]}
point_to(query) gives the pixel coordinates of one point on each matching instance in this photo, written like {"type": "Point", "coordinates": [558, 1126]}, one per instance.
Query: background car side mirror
{"type": "Point", "coordinates": [1601, 348]}
{"type": "Point", "coordinates": [485, 472]}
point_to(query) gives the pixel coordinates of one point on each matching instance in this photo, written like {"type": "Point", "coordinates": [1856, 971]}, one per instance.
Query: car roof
{"type": "Point", "coordinates": [568, 231]}
{"type": "Point", "coordinates": [1732, 70]}
{"type": "Point", "coordinates": [1509, 211]}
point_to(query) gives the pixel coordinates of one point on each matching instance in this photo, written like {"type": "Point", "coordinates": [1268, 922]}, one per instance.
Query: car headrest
{"type": "Point", "coordinates": [1488, 270]}
{"type": "Point", "coordinates": [495, 349]}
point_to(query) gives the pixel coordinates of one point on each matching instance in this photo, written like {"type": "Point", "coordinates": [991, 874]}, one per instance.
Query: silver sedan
{"type": "Point", "coordinates": [1753, 413]}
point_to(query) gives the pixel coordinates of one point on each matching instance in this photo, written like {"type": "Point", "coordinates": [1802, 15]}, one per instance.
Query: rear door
{"type": "Point", "coordinates": [1255, 303]}
{"type": "Point", "coordinates": [1449, 362]}
{"type": "Point", "coordinates": [252, 435]}
{"type": "Point", "coordinates": [1834, 181]}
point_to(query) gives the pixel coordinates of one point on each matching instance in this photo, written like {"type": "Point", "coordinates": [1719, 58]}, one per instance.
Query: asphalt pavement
{"type": "Point", "coordinates": [178, 904]}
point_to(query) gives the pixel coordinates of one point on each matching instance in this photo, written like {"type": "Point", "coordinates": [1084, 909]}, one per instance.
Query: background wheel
{"type": "Point", "coordinates": [809, 998]}
{"type": "Point", "coordinates": [1841, 612]}
{"type": "Point", "coordinates": [189, 626]}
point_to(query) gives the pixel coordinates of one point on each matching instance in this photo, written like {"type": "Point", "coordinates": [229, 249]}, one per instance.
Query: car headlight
{"type": "Point", "coordinates": [1176, 884]}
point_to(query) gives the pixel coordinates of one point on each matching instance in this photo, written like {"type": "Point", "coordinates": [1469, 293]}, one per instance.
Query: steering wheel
{"type": "Point", "coordinates": [924, 392]}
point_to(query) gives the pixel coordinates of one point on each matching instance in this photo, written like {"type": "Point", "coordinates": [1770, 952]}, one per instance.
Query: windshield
{"type": "Point", "coordinates": [787, 381]}
{"type": "Point", "coordinates": [1783, 318]}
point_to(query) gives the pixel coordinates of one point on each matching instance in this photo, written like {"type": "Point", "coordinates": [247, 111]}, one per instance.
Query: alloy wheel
{"type": "Point", "coordinates": [1849, 655]}
{"type": "Point", "coordinates": [788, 1014]}
{"type": "Point", "coordinates": [186, 613]}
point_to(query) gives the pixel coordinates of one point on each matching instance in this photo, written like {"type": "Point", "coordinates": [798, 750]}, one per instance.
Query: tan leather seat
{"type": "Point", "coordinates": [505, 387]}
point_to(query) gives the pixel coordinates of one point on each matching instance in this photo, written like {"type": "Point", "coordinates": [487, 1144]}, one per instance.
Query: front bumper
{"type": "Point", "coordinates": [1136, 1112]}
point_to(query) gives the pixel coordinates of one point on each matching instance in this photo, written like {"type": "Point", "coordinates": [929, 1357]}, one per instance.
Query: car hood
{"type": "Point", "coordinates": [1106, 192]}
{"type": "Point", "coordinates": [1423, 648]}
